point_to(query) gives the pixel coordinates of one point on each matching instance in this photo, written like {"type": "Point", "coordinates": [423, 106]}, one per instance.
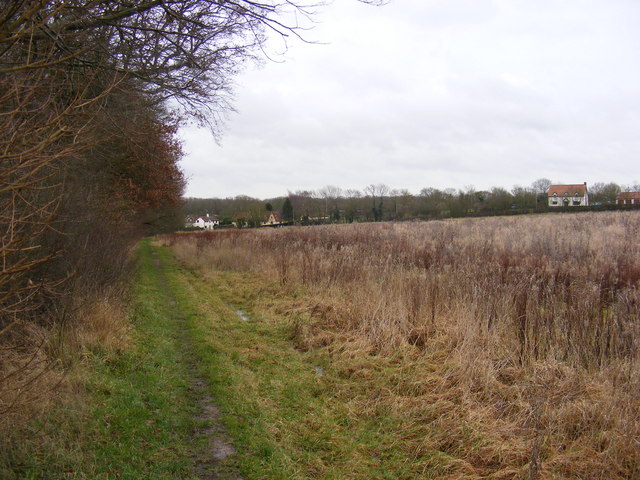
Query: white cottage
{"type": "Point", "coordinates": [568, 195]}
{"type": "Point", "coordinates": [206, 223]}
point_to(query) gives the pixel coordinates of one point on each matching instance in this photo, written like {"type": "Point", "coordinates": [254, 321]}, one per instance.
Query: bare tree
{"type": "Point", "coordinates": [604, 192]}
{"type": "Point", "coordinates": [541, 185]}
{"type": "Point", "coordinates": [330, 194]}
{"type": "Point", "coordinates": [353, 207]}
{"type": "Point", "coordinates": [377, 194]}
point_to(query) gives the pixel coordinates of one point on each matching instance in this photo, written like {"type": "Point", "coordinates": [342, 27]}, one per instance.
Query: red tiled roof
{"type": "Point", "coordinates": [568, 190]}
{"type": "Point", "coordinates": [628, 195]}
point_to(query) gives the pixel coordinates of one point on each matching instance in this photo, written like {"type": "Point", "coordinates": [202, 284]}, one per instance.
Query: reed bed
{"type": "Point", "coordinates": [517, 339]}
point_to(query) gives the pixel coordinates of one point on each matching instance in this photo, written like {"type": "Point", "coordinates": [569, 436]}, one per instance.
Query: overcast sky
{"type": "Point", "coordinates": [435, 93]}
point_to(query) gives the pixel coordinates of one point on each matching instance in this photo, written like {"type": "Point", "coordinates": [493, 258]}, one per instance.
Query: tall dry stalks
{"type": "Point", "coordinates": [536, 321]}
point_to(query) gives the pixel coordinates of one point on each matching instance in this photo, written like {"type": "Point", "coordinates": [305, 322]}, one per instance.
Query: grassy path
{"type": "Point", "coordinates": [145, 414]}
{"type": "Point", "coordinates": [212, 451]}
{"type": "Point", "coordinates": [289, 411]}
{"type": "Point", "coordinates": [209, 390]}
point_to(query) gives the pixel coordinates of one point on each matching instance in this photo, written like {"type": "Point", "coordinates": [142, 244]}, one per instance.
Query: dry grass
{"type": "Point", "coordinates": [101, 324]}
{"type": "Point", "coordinates": [515, 341]}
{"type": "Point", "coordinates": [42, 368]}
{"type": "Point", "coordinates": [29, 376]}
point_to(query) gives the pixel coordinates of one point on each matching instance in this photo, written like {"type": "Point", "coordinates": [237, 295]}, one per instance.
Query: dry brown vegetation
{"type": "Point", "coordinates": [44, 369]}
{"type": "Point", "coordinates": [514, 340]}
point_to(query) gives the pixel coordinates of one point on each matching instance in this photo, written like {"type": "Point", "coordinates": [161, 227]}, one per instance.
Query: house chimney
{"type": "Point", "coordinates": [585, 184]}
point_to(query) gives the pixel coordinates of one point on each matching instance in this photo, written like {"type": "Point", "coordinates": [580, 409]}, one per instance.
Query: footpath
{"type": "Point", "coordinates": [214, 386]}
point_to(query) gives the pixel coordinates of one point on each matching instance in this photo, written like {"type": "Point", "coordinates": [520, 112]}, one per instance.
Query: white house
{"type": "Point", "coordinates": [568, 195]}
{"type": "Point", "coordinates": [206, 222]}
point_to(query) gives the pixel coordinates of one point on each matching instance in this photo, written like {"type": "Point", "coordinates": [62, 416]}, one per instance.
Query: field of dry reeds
{"type": "Point", "coordinates": [518, 339]}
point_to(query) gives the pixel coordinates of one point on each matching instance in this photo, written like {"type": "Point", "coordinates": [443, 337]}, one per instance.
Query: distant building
{"type": "Point", "coordinates": [274, 218]}
{"type": "Point", "coordinates": [568, 195]}
{"type": "Point", "coordinates": [628, 198]}
{"type": "Point", "coordinates": [205, 222]}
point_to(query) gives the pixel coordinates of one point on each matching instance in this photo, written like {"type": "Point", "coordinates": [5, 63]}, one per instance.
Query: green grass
{"type": "Point", "coordinates": [144, 409]}
{"type": "Point", "coordinates": [138, 419]}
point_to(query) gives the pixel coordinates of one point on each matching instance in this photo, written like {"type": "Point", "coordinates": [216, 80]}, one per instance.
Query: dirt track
{"type": "Point", "coordinates": [211, 433]}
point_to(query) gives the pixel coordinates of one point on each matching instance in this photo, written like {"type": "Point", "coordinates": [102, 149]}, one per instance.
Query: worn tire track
{"type": "Point", "coordinates": [211, 462]}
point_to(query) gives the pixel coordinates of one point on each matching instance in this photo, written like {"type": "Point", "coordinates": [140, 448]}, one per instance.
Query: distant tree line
{"type": "Point", "coordinates": [331, 204]}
